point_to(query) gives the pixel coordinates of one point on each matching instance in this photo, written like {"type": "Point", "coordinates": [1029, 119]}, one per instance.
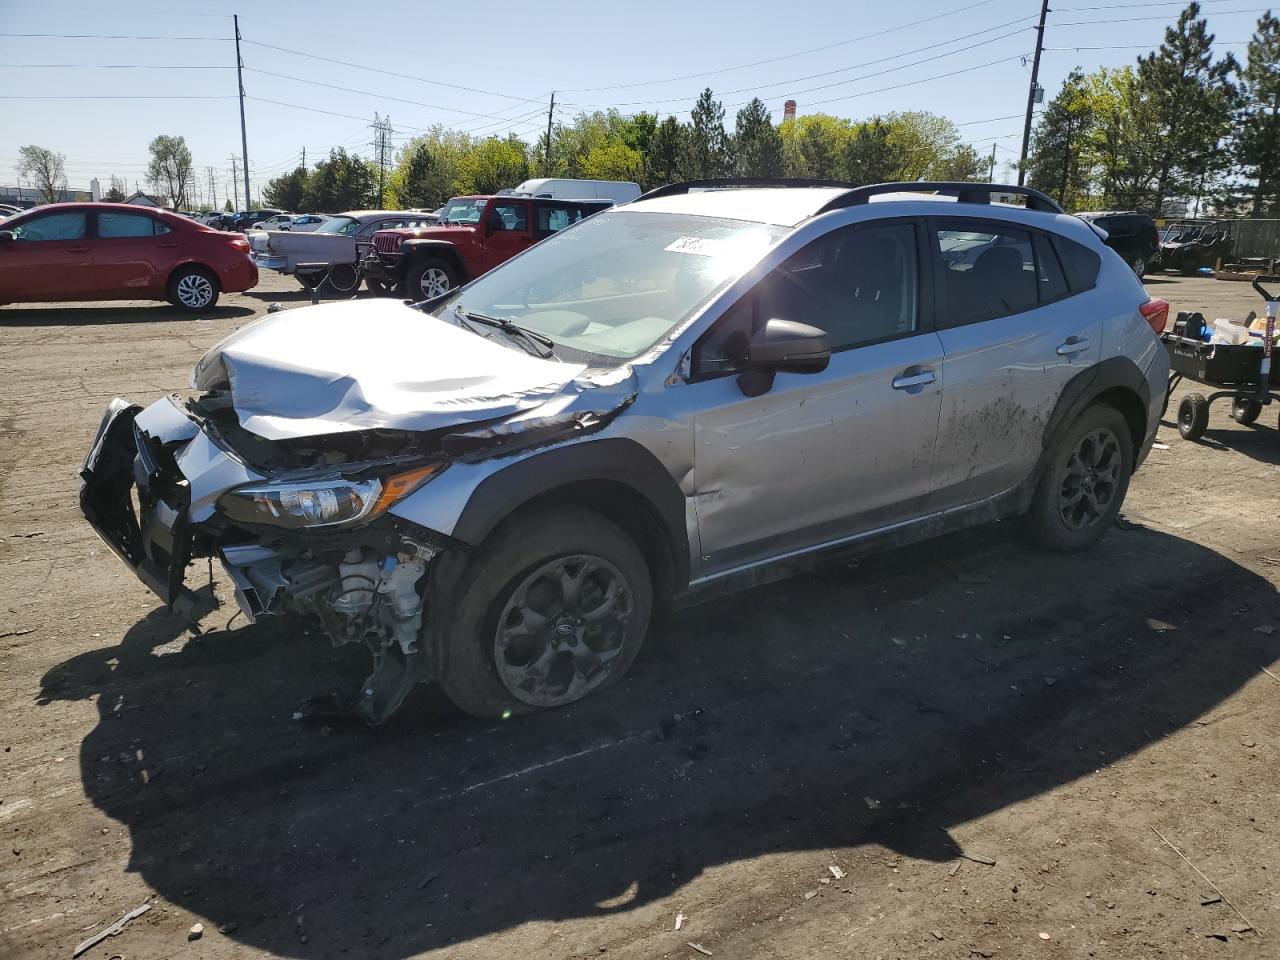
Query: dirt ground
{"type": "Point", "coordinates": [958, 750]}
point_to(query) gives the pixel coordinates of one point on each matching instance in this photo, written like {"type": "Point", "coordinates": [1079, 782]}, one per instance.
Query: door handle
{"type": "Point", "coordinates": [906, 380]}
{"type": "Point", "coordinates": [1072, 346]}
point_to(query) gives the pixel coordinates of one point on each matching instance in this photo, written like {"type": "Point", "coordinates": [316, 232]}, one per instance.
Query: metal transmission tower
{"type": "Point", "coordinates": [382, 132]}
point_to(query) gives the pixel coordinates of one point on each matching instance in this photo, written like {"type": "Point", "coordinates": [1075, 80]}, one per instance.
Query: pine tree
{"type": "Point", "coordinates": [1058, 164]}
{"type": "Point", "coordinates": [756, 143]}
{"type": "Point", "coordinates": [663, 156]}
{"type": "Point", "coordinates": [1257, 142]}
{"type": "Point", "coordinates": [706, 150]}
{"type": "Point", "coordinates": [1193, 98]}
{"type": "Point", "coordinates": [872, 155]}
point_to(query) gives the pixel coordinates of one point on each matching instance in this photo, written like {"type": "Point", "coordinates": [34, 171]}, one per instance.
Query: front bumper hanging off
{"type": "Point", "coordinates": [136, 500]}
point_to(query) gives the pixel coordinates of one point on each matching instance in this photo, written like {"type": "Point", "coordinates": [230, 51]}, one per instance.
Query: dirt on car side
{"type": "Point", "coordinates": [982, 740]}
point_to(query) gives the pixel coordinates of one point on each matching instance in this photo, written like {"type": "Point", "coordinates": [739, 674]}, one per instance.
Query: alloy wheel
{"type": "Point", "coordinates": [561, 630]}
{"type": "Point", "coordinates": [434, 283]}
{"type": "Point", "coordinates": [194, 291]}
{"type": "Point", "coordinates": [1091, 479]}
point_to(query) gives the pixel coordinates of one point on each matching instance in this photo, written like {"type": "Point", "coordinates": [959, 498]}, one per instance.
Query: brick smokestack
{"type": "Point", "coordinates": [789, 110]}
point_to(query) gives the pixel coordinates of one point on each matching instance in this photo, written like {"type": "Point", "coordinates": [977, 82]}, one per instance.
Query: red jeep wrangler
{"type": "Point", "coordinates": [474, 235]}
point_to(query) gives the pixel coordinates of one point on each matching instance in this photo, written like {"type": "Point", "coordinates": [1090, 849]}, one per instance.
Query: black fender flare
{"type": "Point", "coordinates": [616, 460]}
{"type": "Point", "coordinates": [414, 250]}
{"type": "Point", "coordinates": [1083, 389]}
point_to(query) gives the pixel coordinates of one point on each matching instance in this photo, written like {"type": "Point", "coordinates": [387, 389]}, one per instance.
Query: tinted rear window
{"type": "Point", "coordinates": [1080, 263]}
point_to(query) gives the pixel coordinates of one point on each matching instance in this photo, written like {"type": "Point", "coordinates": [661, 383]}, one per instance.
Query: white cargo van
{"type": "Point", "coordinates": [618, 191]}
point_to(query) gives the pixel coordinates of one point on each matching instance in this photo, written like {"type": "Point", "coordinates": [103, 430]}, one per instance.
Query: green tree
{"type": "Point", "coordinates": [706, 151]}
{"type": "Point", "coordinates": [46, 168]}
{"type": "Point", "coordinates": [288, 192]}
{"type": "Point", "coordinates": [757, 145]}
{"type": "Point", "coordinates": [496, 164]}
{"type": "Point", "coordinates": [1058, 163]}
{"type": "Point", "coordinates": [962, 163]}
{"type": "Point", "coordinates": [813, 146]}
{"type": "Point", "coordinates": [614, 161]}
{"type": "Point", "coordinates": [420, 180]}
{"type": "Point", "coordinates": [663, 157]}
{"type": "Point", "coordinates": [871, 155]}
{"type": "Point", "coordinates": [339, 182]}
{"type": "Point", "coordinates": [1192, 97]}
{"type": "Point", "coordinates": [1257, 143]}
{"type": "Point", "coordinates": [170, 169]}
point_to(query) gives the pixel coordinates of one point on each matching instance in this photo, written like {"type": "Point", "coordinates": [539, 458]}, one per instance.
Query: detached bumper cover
{"type": "Point", "coordinates": [270, 262]}
{"type": "Point", "coordinates": [153, 538]}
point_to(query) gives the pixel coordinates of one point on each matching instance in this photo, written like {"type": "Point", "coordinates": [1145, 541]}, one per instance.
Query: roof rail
{"type": "Point", "coordinates": [963, 192]}
{"type": "Point", "coordinates": [721, 183]}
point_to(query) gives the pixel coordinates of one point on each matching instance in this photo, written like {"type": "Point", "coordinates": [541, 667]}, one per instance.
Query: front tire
{"type": "Point", "coordinates": [1139, 266]}
{"type": "Point", "coordinates": [1084, 482]}
{"type": "Point", "coordinates": [554, 607]}
{"type": "Point", "coordinates": [430, 279]}
{"type": "Point", "coordinates": [193, 290]}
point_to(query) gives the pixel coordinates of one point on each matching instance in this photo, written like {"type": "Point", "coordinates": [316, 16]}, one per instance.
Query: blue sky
{"type": "Point", "coordinates": [491, 66]}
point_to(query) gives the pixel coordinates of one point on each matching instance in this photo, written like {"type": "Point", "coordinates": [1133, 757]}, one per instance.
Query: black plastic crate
{"type": "Point", "coordinates": [1223, 364]}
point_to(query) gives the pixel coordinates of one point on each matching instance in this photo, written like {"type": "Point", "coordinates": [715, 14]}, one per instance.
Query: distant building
{"type": "Point", "coordinates": [25, 197]}
{"type": "Point", "coordinates": [141, 199]}
{"type": "Point", "coordinates": [95, 189]}
{"type": "Point", "coordinates": [789, 110]}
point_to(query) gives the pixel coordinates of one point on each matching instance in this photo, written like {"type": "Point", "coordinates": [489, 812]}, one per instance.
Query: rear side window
{"type": "Point", "coordinates": [1050, 277]}
{"type": "Point", "coordinates": [1080, 263]}
{"type": "Point", "coordinates": [117, 225]}
{"type": "Point", "coordinates": [989, 271]}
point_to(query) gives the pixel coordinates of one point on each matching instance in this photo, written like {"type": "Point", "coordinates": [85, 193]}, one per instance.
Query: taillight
{"type": "Point", "coordinates": [239, 243]}
{"type": "Point", "coordinates": [1156, 313]}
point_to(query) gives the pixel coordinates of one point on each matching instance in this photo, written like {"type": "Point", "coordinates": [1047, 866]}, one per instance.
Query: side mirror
{"type": "Point", "coordinates": [6, 236]}
{"type": "Point", "coordinates": [780, 346]}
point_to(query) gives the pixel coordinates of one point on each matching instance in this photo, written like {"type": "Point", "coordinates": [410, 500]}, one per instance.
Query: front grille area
{"type": "Point", "coordinates": [387, 242]}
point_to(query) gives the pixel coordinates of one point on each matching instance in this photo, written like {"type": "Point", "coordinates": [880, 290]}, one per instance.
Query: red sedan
{"type": "Point", "coordinates": [111, 251]}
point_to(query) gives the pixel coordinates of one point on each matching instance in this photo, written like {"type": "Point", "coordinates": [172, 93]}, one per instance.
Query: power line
{"type": "Point", "coordinates": [105, 36]}
{"type": "Point", "coordinates": [827, 73]}
{"type": "Point", "coordinates": [1165, 17]}
{"type": "Point", "coordinates": [115, 66]}
{"type": "Point", "coordinates": [790, 56]}
{"type": "Point", "coordinates": [378, 95]}
{"type": "Point", "coordinates": [148, 96]}
{"type": "Point", "coordinates": [392, 73]}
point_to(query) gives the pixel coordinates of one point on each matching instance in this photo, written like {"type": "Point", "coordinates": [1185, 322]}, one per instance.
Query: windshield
{"type": "Point", "coordinates": [618, 282]}
{"type": "Point", "coordinates": [340, 225]}
{"type": "Point", "coordinates": [463, 211]}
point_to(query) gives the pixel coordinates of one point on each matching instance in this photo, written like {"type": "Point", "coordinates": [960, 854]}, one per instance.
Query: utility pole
{"type": "Point", "coordinates": [244, 137]}
{"type": "Point", "coordinates": [551, 112]}
{"type": "Point", "coordinates": [235, 185]}
{"type": "Point", "coordinates": [213, 189]}
{"type": "Point", "coordinates": [991, 170]}
{"type": "Point", "coordinates": [1066, 162]}
{"type": "Point", "coordinates": [304, 158]}
{"type": "Point", "coordinates": [1031, 94]}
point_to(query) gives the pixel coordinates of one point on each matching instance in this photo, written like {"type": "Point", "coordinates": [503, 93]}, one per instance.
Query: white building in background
{"type": "Point", "coordinates": [95, 190]}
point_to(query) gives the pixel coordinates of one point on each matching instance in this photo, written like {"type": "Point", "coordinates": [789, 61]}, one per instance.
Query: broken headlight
{"type": "Point", "coordinates": [328, 502]}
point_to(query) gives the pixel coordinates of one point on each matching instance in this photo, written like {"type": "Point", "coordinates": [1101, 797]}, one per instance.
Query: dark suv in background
{"type": "Point", "coordinates": [1132, 235]}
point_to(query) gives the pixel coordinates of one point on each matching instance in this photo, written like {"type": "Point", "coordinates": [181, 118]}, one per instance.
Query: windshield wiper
{"type": "Point", "coordinates": [538, 345]}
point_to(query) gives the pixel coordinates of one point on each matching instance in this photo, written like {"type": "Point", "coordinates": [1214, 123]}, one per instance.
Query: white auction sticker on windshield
{"type": "Point", "coordinates": [697, 246]}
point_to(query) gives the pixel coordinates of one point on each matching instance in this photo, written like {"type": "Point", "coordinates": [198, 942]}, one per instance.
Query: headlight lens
{"type": "Point", "coordinates": [330, 502]}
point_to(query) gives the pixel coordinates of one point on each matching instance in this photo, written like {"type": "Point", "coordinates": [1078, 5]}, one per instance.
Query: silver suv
{"type": "Point", "coordinates": [707, 387]}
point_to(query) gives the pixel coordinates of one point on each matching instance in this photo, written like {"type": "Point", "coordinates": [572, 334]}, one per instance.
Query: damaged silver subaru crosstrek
{"type": "Point", "coordinates": [497, 489]}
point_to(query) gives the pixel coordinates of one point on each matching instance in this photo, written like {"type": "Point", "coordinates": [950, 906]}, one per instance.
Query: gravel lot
{"type": "Point", "coordinates": [907, 719]}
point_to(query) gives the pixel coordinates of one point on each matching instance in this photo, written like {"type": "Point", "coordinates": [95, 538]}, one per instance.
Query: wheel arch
{"type": "Point", "coordinates": [1116, 381]}
{"type": "Point", "coordinates": [204, 268]}
{"type": "Point", "coordinates": [613, 476]}
{"type": "Point", "coordinates": [415, 251]}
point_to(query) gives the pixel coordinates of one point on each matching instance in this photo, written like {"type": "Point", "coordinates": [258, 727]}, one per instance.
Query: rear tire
{"type": "Point", "coordinates": [429, 279]}
{"type": "Point", "coordinates": [1084, 482]}
{"type": "Point", "coordinates": [1139, 266]}
{"type": "Point", "coordinates": [1193, 416]}
{"type": "Point", "coordinates": [193, 290]}
{"type": "Point", "coordinates": [562, 596]}
{"type": "Point", "coordinates": [1244, 411]}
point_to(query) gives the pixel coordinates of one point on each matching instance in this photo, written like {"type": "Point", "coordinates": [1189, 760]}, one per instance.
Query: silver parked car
{"type": "Point", "coordinates": [496, 489]}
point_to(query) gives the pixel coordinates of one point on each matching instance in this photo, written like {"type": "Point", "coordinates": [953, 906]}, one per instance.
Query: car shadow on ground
{"type": "Point", "coordinates": [877, 702]}
{"type": "Point", "coordinates": [1260, 440]}
{"type": "Point", "coordinates": [80, 315]}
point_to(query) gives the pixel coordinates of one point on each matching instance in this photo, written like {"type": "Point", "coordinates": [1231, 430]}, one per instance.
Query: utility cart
{"type": "Point", "coordinates": [1242, 372]}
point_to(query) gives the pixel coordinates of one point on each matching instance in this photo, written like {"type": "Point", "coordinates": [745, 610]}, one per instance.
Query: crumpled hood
{"type": "Point", "coordinates": [361, 365]}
